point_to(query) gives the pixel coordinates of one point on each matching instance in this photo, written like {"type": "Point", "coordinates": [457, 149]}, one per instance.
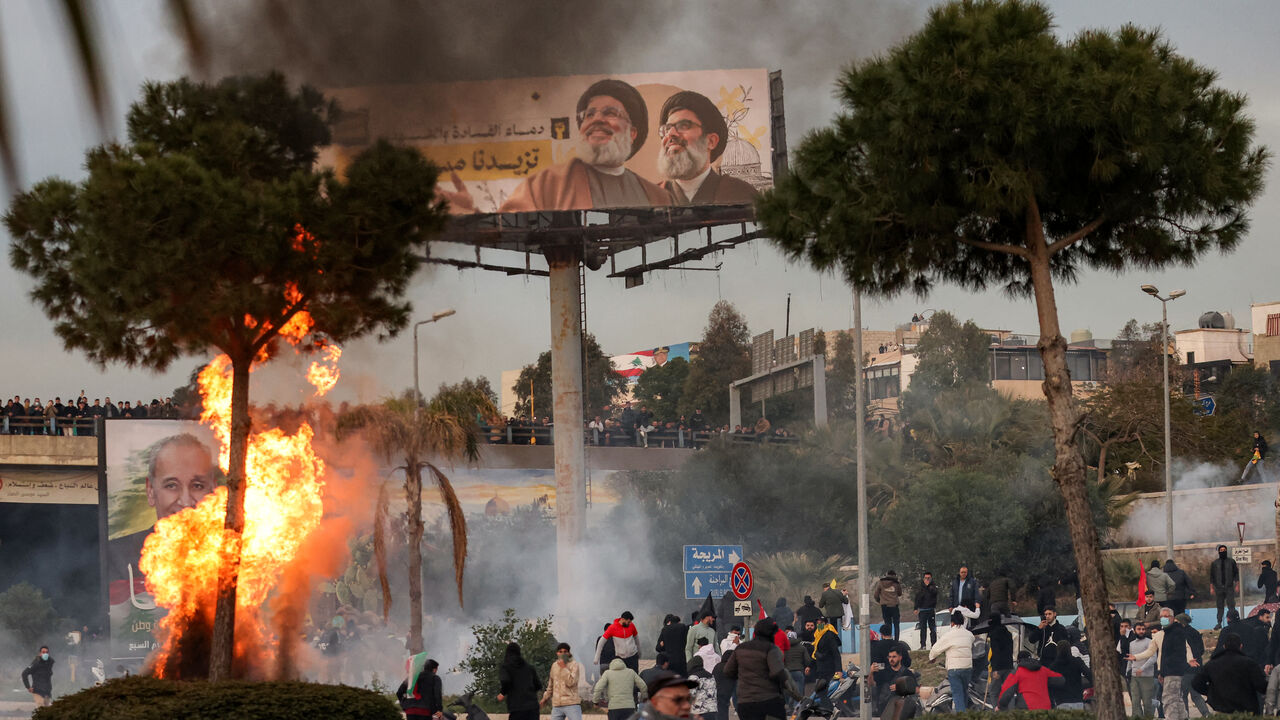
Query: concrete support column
{"type": "Point", "coordinates": [567, 391]}
{"type": "Point", "coordinates": [735, 406]}
{"type": "Point", "coordinates": [820, 391]}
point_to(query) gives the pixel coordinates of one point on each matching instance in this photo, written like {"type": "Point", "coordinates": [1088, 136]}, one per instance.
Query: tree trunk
{"type": "Point", "coordinates": [224, 619]}
{"type": "Point", "coordinates": [413, 498]}
{"type": "Point", "coordinates": [1069, 474]}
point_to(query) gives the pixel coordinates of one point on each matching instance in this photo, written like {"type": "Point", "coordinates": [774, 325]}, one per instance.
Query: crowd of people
{"type": "Point", "coordinates": [629, 425]}
{"type": "Point", "coordinates": [31, 416]}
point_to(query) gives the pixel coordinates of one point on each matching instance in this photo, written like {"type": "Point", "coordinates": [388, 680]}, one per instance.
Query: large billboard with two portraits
{"type": "Point", "coordinates": [575, 143]}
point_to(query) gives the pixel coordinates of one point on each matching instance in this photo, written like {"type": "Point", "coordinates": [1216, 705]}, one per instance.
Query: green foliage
{"type": "Point", "coordinates": [660, 388]}
{"type": "Point", "coordinates": [358, 585]}
{"type": "Point", "coordinates": [484, 658]}
{"type": "Point", "coordinates": [951, 354]}
{"type": "Point", "coordinates": [217, 180]}
{"type": "Point", "coordinates": [973, 520]}
{"type": "Point", "coordinates": [842, 378]}
{"type": "Point", "coordinates": [28, 615]}
{"type": "Point", "coordinates": [723, 357]}
{"type": "Point", "coordinates": [954, 146]}
{"type": "Point", "coordinates": [468, 398]}
{"type": "Point", "coordinates": [145, 698]}
{"type": "Point", "coordinates": [793, 575]}
{"type": "Point", "coordinates": [603, 384]}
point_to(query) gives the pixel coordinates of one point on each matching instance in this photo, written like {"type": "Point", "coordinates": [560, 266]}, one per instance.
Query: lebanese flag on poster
{"type": "Point", "coordinates": [632, 365]}
{"type": "Point", "coordinates": [1142, 583]}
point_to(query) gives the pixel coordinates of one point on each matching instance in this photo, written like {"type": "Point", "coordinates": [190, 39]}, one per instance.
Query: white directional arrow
{"type": "Point", "coordinates": [697, 586]}
{"type": "Point", "coordinates": [733, 557]}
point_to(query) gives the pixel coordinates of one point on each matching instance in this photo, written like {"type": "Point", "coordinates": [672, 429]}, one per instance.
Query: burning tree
{"type": "Point", "coordinates": [218, 181]}
{"type": "Point", "coordinates": [985, 150]}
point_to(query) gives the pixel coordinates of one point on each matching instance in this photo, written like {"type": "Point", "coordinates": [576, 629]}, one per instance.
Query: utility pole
{"type": "Point", "coordinates": [864, 605]}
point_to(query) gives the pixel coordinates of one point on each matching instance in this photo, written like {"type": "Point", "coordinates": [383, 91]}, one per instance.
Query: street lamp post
{"type": "Point", "coordinates": [1168, 449]}
{"type": "Point", "coordinates": [417, 390]}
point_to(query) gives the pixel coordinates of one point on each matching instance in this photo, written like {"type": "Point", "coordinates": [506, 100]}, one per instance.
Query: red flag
{"type": "Point", "coordinates": [763, 614]}
{"type": "Point", "coordinates": [1142, 583]}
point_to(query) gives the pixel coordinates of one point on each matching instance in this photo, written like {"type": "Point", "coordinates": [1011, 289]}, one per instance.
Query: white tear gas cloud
{"type": "Point", "coordinates": [1208, 516]}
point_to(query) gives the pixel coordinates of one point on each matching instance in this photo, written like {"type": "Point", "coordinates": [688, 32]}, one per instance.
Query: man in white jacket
{"type": "Point", "coordinates": [957, 643]}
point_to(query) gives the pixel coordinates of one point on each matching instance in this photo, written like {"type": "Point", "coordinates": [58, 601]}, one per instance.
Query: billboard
{"type": "Point", "coordinates": [149, 470]}
{"type": "Point", "coordinates": [632, 365]}
{"type": "Point", "coordinates": [64, 486]}
{"type": "Point", "coordinates": [579, 142]}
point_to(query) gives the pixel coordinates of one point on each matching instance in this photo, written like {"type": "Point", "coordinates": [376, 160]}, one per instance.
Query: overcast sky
{"type": "Point", "coordinates": [502, 322]}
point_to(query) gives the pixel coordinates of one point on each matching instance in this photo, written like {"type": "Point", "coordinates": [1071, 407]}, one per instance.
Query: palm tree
{"type": "Point", "coordinates": [445, 429]}
{"type": "Point", "coordinates": [796, 574]}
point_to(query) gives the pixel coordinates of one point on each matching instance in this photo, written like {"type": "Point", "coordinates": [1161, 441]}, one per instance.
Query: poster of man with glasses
{"type": "Point", "coordinates": [576, 143]}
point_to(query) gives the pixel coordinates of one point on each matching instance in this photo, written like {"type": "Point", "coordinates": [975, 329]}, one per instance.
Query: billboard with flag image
{"type": "Point", "coordinates": [633, 364]}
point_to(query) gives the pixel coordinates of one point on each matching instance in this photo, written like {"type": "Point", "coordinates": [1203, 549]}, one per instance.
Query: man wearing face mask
{"type": "Point", "coordinates": [565, 685]}
{"type": "Point", "coordinates": [1224, 582]}
{"type": "Point", "coordinates": [37, 678]}
{"type": "Point", "coordinates": [1173, 661]}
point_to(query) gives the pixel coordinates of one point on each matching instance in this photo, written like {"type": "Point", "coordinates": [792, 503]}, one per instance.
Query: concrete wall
{"type": "Point", "coordinates": [48, 450]}
{"type": "Point", "coordinates": [1206, 515]}
{"type": "Point", "coordinates": [1210, 344]}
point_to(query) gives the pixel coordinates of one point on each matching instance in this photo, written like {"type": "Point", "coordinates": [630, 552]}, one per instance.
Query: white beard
{"type": "Point", "coordinates": [611, 154]}
{"type": "Point", "coordinates": [685, 165]}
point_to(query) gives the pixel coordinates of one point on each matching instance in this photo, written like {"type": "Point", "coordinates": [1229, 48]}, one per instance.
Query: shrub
{"type": "Point", "coordinates": [485, 656]}
{"type": "Point", "coordinates": [146, 698]}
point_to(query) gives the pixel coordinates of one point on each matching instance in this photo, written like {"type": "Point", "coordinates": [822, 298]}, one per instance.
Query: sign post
{"type": "Point", "coordinates": [707, 568]}
{"type": "Point", "coordinates": [1243, 556]}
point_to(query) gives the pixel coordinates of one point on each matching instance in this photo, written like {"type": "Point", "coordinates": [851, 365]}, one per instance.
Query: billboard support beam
{"type": "Point", "coordinates": [567, 398]}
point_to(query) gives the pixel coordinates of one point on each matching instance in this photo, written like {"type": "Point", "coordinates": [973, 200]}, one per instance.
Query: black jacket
{"type": "Point", "coordinates": [1000, 641]}
{"type": "Point", "coordinates": [671, 641]}
{"type": "Point", "coordinates": [1223, 573]}
{"type": "Point", "coordinates": [927, 597]}
{"type": "Point", "coordinates": [808, 611]}
{"type": "Point", "coordinates": [1195, 642]}
{"type": "Point", "coordinates": [521, 685]}
{"type": "Point", "coordinates": [1232, 681]}
{"type": "Point", "coordinates": [1267, 581]}
{"type": "Point", "coordinates": [430, 690]}
{"type": "Point", "coordinates": [1001, 590]}
{"type": "Point", "coordinates": [1255, 640]}
{"type": "Point", "coordinates": [963, 592]}
{"type": "Point", "coordinates": [1182, 588]}
{"type": "Point", "coordinates": [38, 676]}
{"type": "Point", "coordinates": [826, 657]}
{"type": "Point", "coordinates": [783, 615]}
{"type": "Point", "coordinates": [1073, 672]}
{"type": "Point", "coordinates": [1173, 651]}
{"type": "Point", "coordinates": [758, 668]}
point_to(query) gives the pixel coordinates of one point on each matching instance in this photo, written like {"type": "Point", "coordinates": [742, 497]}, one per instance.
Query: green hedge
{"type": "Point", "coordinates": [1070, 715]}
{"type": "Point", "coordinates": [144, 698]}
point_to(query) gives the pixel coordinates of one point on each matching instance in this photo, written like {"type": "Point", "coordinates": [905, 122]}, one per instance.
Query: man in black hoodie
{"type": "Point", "coordinates": [1182, 591]}
{"type": "Point", "coordinates": [1267, 581]}
{"type": "Point", "coordinates": [1224, 582]}
{"type": "Point", "coordinates": [37, 678]}
{"type": "Point", "coordinates": [782, 614]}
{"type": "Point", "coordinates": [761, 674]}
{"type": "Point", "coordinates": [1231, 679]}
{"type": "Point", "coordinates": [672, 642]}
{"type": "Point", "coordinates": [808, 612]}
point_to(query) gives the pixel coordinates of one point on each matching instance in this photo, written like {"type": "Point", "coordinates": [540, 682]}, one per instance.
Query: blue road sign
{"type": "Point", "coordinates": [705, 558]}
{"type": "Point", "coordinates": [1205, 405]}
{"type": "Point", "coordinates": [698, 584]}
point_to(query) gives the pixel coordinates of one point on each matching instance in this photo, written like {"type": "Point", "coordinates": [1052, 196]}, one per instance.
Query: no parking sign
{"type": "Point", "coordinates": [740, 581]}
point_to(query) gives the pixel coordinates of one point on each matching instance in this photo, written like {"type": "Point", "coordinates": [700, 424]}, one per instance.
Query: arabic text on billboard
{"type": "Point", "coordinates": [575, 143]}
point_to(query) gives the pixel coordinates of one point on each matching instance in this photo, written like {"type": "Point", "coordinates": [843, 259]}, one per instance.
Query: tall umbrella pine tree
{"type": "Point", "coordinates": [987, 151]}
{"type": "Point", "coordinates": [209, 230]}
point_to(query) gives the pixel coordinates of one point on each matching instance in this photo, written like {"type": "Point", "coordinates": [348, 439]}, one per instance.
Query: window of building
{"type": "Point", "coordinates": [1273, 324]}
{"type": "Point", "coordinates": [883, 382]}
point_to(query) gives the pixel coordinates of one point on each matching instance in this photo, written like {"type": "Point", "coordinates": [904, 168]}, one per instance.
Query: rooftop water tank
{"type": "Point", "coordinates": [1080, 336]}
{"type": "Point", "coordinates": [1212, 319]}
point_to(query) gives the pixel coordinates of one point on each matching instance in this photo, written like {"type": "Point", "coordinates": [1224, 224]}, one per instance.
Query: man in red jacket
{"type": "Point", "coordinates": [624, 636]}
{"type": "Point", "coordinates": [1032, 681]}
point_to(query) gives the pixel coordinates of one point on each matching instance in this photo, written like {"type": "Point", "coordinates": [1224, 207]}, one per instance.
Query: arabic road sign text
{"type": "Point", "coordinates": [703, 558]}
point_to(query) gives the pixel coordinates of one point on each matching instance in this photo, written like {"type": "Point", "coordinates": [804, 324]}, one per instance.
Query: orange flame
{"type": "Point", "coordinates": [284, 493]}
